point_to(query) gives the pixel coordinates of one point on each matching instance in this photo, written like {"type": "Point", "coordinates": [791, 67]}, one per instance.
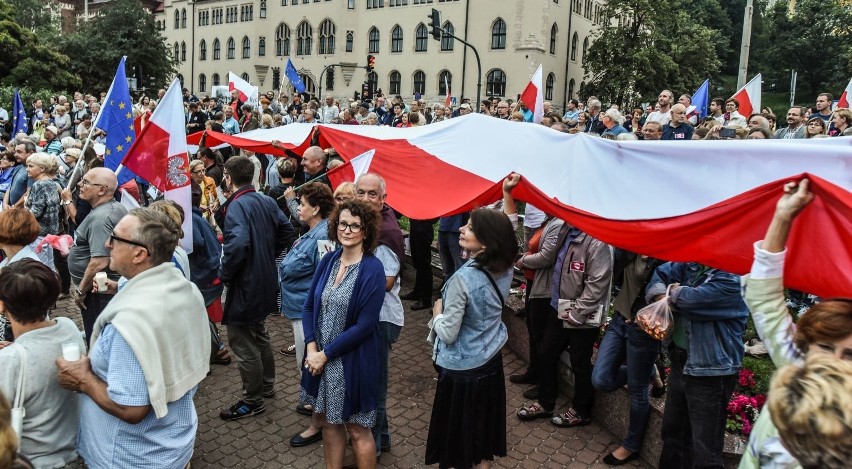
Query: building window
{"type": "Point", "coordinates": [246, 47]}
{"type": "Point", "coordinates": [304, 38]}
{"type": "Point", "coordinates": [183, 52]}
{"type": "Point", "coordinates": [373, 81]}
{"type": "Point", "coordinates": [574, 47]}
{"type": "Point", "coordinates": [396, 39]}
{"type": "Point", "coordinates": [419, 82]}
{"type": "Point", "coordinates": [421, 38]}
{"type": "Point", "coordinates": [394, 82]}
{"type": "Point", "coordinates": [216, 49]}
{"type": "Point", "coordinates": [553, 31]}
{"type": "Point", "coordinates": [202, 50]}
{"type": "Point", "coordinates": [231, 47]}
{"type": "Point", "coordinates": [571, 85]}
{"type": "Point", "coordinates": [202, 83]}
{"type": "Point", "coordinates": [183, 18]}
{"type": "Point", "coordinates": [448, 42]}
{"type": "Point", "coordinates": [282, 40]}
{"type": "Point", "coordinates": [262, 9]}
{"type": "Point", "coordinates": [177, 19]}
{"type": "Point", "coordinates": [350, 38]}
{"type": "Point", "coordinates": [498, 34]}
{"type": "Point", "coordinates": [582, 88]}
{"type": "Point", "coordinates": [585, 49]}
{"type": "Point", "coordinates": [245, 76]}
{"type": "Point", "coordinates": [375, 4]}
{"type": "Point", "coordinates": [283, 3]}
{"type": "Point", "coordinates": [329, 79]}
{"type": "Point", "coordinates": [215, 79]}
{"type": "Point", "coordinates": [351, 4]}
{"type": "Point", "coordinates": [176, 52]}
{"type": "Point", "coordinates": [374, 40]}
{"type": "Point", "coordinates": [261, 47]}
{"type": "Point", "coordinates": [548, 86]}
{"type": "Point", "coordinates": [496, 83]}
{"type": "Point", "coordinates": [445, 82]}
{"type": "Point", "coordinates": [326, 37]}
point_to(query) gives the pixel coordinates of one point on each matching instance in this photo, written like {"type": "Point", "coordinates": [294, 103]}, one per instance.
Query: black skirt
{"type": "Point", "coordinates": [468, 422]}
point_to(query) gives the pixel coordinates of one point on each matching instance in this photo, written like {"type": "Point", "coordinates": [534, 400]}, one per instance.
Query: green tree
{"type": "Point", "coordinates": [39, 16]}
{"type": "Point", "coordinates": [124, 28]}
{"type": "Point", "coordinates": [650, 45]}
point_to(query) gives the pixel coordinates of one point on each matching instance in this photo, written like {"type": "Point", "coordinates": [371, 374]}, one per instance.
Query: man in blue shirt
{"type": "Point", "coordinates": [677, 128]}
{"type": "Point", "coordinates": [15, 195]}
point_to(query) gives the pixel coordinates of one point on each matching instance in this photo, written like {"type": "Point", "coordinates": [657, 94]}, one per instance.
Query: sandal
{"type": "Point", "coordinates": [570, 418]}
{"type": "Point", "coordinates": [533, 411]}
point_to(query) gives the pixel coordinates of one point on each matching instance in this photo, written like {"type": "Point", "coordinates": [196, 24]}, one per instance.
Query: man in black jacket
{"type": "Point", "coordinates": [254, 231]}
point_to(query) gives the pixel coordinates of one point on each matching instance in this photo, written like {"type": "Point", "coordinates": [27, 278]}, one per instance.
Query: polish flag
{"type": "Point", "coordinates": [845, 100]}
{"type": "Point", "coordinates": [159, 155]}
{"type": "Point", "coordinates": [449, 98]}
{"type": "Point", "coordinates": [533, 97]}
{"type": "Point", "coordinates": [749, 97]}
{"type": "Point", "coordinates": [708, 202]}
{"type": "Point", "coordinates": [249, 94]}
{"type": "Point", "coordinates": [352, 170]}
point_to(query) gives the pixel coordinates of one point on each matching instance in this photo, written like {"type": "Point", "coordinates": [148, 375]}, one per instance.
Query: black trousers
{"type": "Point", "coordinates": [420, 239]}
{"type": "Point", "coordinates": [536, 320]}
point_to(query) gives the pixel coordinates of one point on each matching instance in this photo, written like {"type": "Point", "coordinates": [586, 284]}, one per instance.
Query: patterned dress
{"type": "Point", "coordinates": [330, 324]}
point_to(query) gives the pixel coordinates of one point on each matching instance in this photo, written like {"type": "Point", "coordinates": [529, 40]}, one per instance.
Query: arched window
{"type": "Point", "coordinates": [202, 83]}
{"type": "Point", "coordinates": [183, 18]}
{"type": "Point", "coordinates": [245, 76]}
{"type": "Point", "coordinates": [396, 39]}
{"type": "Point", "coordinates": [447, 42]}
{"type": "Point", "coordinates": [262, 9]}
{"type": "Point", "coordinates": [183, 52]}
{"type": "Point", "coordinates": [329, 79]}
{"type": "Point", "coordinates": [177, 19]}
{"type": "Point", "coordinates": [419, 82]}
{"type": "Point", "coordinates": [548, 86]}
{"type": "Point", "coordinates": [574, 47]}
{"type": "Point", "coordinates": [246, 47]}
{"type": "Point", "coordinates": [176, 52]}
{"type": "Point", "coordinates": [350, 38]}
{"type": "Point", "coordinates": [394, 83]}
{"type": "Point", "coordinates": [326, 37]}
{"type": "Point", "coordinates": [498, 34]}
{"type": "Point", "coordinates": [261, 47]}
{"type": "Point", "coordinates": [553, 31]}
{"type": "Point", "coordinates": [305, 36]}
{"type": "Point", "coordinates": [571, 85]}
{"type": "Point", "coordinates": [373, 40]}
{"type": "Point", "coordinates": [217, 49]}
{"type": "Point", "coordinates": [585, 49]}
{"type": "Point", "coordinates": [202, 50]}
{"type": "Point", "coordinates": [582, 91]}
{"type": "Point", "coordinates": [282, 40]}
{"type": "Point", "coordinates": [445, 82]}
{"type": "Point", "coordinates": [215, 79]}
{"type": "Point", "coordinates": [231, 47]}
{"type": "Point", "coordinates": [421, 38]}
{"type": "Point", "coordinates": [495, 84]}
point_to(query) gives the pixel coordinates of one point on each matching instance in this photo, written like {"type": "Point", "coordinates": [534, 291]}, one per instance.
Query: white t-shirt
{"type": "Point", "coordinates": [662, 117]}
{"type": "Point", "coordinates": [392, 310]}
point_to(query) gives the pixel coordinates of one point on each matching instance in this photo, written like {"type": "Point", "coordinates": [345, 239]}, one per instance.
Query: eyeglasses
{"type": "Point", "coordinates": [84, 182]}
{"type": "Point", "coordinates": [354, 227]}
{"type": "Point", "coordinates": [113, 238]}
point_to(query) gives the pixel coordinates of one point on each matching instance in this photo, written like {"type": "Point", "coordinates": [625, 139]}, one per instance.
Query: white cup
{"type": "Point", "coordinates": [71, 351]}
{"type": "Point", "coordinates": [101, 280]}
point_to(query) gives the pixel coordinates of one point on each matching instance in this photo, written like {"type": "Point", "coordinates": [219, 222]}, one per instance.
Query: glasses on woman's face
{"type": "Point", "coordinates": [352, 227]}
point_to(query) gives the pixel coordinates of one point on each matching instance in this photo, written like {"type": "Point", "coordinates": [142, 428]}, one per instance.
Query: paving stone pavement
{"type": "Point", "coordinates": [262, 441]}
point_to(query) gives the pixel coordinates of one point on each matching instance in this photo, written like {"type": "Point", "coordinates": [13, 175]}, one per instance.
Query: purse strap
{"type": "Point", "coordinates": [493, 284]}
{"type": "Point", "coordinates": [22, 377]}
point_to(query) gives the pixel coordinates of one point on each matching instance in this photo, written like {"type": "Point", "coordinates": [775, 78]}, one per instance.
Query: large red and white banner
{"type": "Point", "coordinates": [702, 201]}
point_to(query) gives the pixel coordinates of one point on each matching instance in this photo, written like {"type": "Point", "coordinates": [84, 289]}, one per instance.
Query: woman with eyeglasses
{"type": "Point", "coordinates": [825, 329]}
{"type": "Point", "coordinates": [295, 273]}
{"type": "Point", "coordinates": [209, 199]}
{"type": "Point", "coordinates": [815, 126]}
{"type": "Point", "coordinates": [340, 319]}
{"type": "Point", "coordinates": [43, 199]}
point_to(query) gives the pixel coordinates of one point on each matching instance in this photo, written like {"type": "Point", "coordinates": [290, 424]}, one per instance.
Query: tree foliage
{"type": "Point", "coordinates": [648, 46]}
{"type": "Point", "coordinates": [124, 28]}
{"type": "Point", "coordinates": [39, 16]}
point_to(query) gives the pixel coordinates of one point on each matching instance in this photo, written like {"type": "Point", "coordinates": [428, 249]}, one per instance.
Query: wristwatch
{"type": "Point", "coordinates": [65, 202]}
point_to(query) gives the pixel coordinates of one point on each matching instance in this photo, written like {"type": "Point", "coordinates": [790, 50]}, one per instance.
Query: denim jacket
{"type": "Point", "coordinates": [470, 330]}
{"type": "Point", "coordinates": [713, 312]}
{"type": "Point", "coordinates": [297, 270]}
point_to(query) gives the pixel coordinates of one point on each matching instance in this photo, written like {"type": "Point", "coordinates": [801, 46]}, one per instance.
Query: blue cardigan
{"type": "Point", "coordinates": [358, 344]}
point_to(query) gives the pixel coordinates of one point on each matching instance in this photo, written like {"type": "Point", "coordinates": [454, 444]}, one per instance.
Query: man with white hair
{"type": "Point", "coordinates": [677, 128]}
{"type": "Point", "coordinates": [612, 120]}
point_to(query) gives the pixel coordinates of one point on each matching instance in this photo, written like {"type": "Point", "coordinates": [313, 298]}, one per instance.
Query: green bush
{"type": "Point", "coordinates": [7, 94]}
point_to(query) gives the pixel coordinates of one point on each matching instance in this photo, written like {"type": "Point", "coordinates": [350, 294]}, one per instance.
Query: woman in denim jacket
{"type": "Point", "coordinates": [295, 274]}
{"type": "Point", "coordinates": [468, 424]}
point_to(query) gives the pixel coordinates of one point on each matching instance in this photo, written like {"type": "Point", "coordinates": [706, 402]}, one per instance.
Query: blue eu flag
{"type": "Point", "coordinates": [116, 119]}
{"type": "Point", "coordinates": [19, 116]}
{"type": "Point", "coordinates": [701, 99]}
{"type": "Point", "coordinates": [294, 77]}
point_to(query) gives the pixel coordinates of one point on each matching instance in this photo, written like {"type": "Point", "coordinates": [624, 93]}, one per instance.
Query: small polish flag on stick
{"type": "Point", "coordinates": [249, 93]}
{"type": "Point", "coordinates": [449, 98]}
{"type": "Point", "coordinates": [749, 96]}
{"type": "Point", "coordinates": [350, 171]}
{"type": "Point", "coordinates": [845, 100]}
{"type": "Point", "coordinates": [533, 98]}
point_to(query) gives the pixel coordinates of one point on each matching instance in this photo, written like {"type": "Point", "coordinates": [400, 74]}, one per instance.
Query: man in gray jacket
{"type": "Point", "coordinates": [795, 124]}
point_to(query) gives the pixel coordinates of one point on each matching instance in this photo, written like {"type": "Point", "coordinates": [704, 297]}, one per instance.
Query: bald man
{"type": "Point", "coordinates": [90, 254]}
{"type": "Point", "coordinates": [677, 128]}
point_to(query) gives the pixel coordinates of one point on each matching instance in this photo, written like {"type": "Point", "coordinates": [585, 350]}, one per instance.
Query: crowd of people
{"type": "Point", "coordinates": [271, 236]}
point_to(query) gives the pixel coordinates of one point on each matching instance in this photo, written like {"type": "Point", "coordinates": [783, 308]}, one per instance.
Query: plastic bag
{"type": "Point", "coordinates": [656, 319]}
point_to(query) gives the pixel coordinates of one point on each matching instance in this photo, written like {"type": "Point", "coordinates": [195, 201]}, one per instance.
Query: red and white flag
{"type": "Point", "coordinates": [749, 96]}
{"type": "Point", "coordinates": [159, 156]}
{"type": "Point", "coordinates": [845, 100]}
{"type": "Point", "coordinates": [249, 93]}
{"type": "Point", "coordinates": [533, 97]}
{"type": "Point", "coordinates": [352, 170]}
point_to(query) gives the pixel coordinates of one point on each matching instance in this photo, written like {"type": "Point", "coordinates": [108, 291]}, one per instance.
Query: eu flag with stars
{"type": "Point", "coordinates": [294, 77]}
{"type": "Point", "coordinates": [19, 116]}
{"type": "Point", "coordinates": [116, 119]}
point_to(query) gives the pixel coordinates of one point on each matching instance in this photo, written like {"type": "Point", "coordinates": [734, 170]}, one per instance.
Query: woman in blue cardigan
{"type": "Point", "coordinates": [341, 324]}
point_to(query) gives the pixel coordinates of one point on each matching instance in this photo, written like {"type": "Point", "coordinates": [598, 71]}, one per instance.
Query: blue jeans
{"type": "Point", "coordinates": [627, 343]}
{"type": "Point", "coordinates": [388, 333]}
{"type": "Point", "coordinates": [448, 247]}
{"type": "Point", "coordinates": [694, 420]}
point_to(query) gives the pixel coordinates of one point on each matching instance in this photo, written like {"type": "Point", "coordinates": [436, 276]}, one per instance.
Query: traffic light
{"type": "Point", "coordinates": [371, 63]}
{"type": "Point", "coordinates": [436, 24]}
